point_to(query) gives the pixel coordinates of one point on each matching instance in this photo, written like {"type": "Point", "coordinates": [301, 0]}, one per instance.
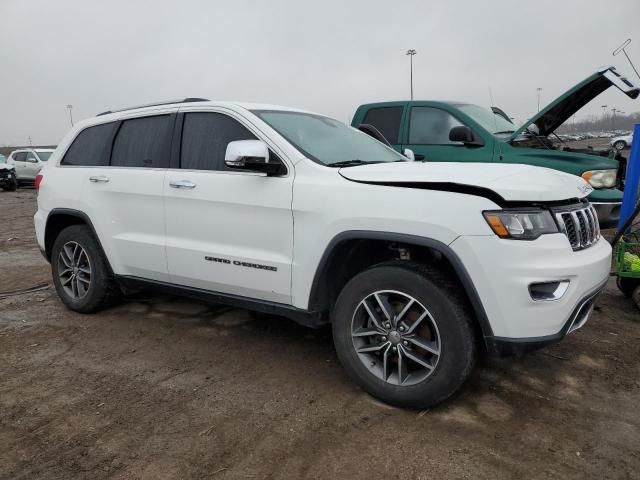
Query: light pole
{"type": "Point", "coordinates": [411, 53]}
{"type": "Point", "coordinates": [539, 90]}
{"type": "Point", "coordinates": [70, 107]}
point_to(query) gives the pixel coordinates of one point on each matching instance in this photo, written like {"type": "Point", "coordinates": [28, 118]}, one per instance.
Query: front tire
{"type": "Point", "coordinates": [12, 183]}
{"type": "Point", "coordinates": [620, 145]}
{"type": "Point", "coordinates": [81, 274]}
{"type": "Point", "coordinates": [404, 334]}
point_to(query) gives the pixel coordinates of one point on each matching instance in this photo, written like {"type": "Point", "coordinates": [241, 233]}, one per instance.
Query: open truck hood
{"type": "Point", "coordinates": [562, 108]}
{"type": "Point", "coordinates": [511, 182]}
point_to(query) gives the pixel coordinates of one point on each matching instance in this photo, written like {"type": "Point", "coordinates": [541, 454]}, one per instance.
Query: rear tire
{"type": "Point", "coordinates": [421, 365]}
{"type": "Point", "coordinates": [81, 274]}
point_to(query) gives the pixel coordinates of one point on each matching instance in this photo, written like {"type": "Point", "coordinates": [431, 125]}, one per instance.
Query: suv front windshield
{"type": "Point", "coordinates": [3, 159]}
{"type": "Point", "coordinates": [490, 121]}
{"type": "Point", "coordinates": [327, 141]}
{"type": "Point", "coordinates": [44, 156]}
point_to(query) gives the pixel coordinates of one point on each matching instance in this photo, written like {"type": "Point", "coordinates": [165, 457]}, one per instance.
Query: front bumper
{"type": "Point", "coordinates": [608, 213]}
{"type": "Point", "coordinates": [503, 270]}
{"type": "Point", "coordinates": [577, 319]}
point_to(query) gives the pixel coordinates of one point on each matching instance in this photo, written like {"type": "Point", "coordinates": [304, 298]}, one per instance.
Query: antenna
{"type": "Point", "coordinates": [621, 48]}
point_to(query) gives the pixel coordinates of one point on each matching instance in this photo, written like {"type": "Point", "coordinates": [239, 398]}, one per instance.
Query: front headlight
{"type": "Point", "coordinates": [520, 224]}
{"type": "Point", "coordinates": [601, 178]}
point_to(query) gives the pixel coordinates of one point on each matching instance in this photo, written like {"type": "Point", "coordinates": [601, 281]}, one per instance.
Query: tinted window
{"type": "Point", "coordinates": [31, 157]}
{"type": "Point", "coordinates": [142, 142]}
{"type": "Point", "coordinates": [205, 137]}
{"type": "Point", "coordinates": [43, 156]}
{"type": "Point", "coordinates": [91, 147]}
{"type": "Point", "coordinates": [20, 156]}
{"type": "Point", "coordinates": [431, 126]}
{"type": "Point", "coordinates": [387, 120]}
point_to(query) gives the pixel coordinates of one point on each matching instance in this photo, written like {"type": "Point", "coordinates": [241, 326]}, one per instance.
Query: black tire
{"type": "Point", "coordinates": [450, 313]}
{"type": "Point", "coordinates": [102, 290]}
{"type": "Point", "coordinates": [620, 145]}
{"type": "Point", "coordinates": [12, 183]}
{"type": "Point", "coordinates": [627, 285]}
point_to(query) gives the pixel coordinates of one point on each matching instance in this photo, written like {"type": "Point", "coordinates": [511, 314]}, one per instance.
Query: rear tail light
{"type": "Point", "coordinates": [38, 181]}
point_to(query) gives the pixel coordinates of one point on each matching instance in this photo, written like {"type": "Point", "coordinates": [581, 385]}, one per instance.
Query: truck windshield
{"type": "Point", "coordinates": [327, 141]}
{"type": "Point", "coordinates": [490, 121]}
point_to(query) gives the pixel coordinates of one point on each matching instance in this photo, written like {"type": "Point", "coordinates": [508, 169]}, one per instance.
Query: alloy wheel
{"type": "Point", "coordinates": [395, 337]}
{"type": "Point", "coordinates": [74, 270]}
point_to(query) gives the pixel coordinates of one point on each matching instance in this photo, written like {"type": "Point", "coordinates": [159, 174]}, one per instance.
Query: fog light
{"type": "Point", "coordinates": [548, 291]}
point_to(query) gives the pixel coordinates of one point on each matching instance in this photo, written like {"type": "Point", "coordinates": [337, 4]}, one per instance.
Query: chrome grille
{"type": "Point", "coordinates": [580, 225]}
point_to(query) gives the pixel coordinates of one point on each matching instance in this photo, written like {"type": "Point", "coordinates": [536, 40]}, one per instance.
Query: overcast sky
{"type": "Point", "coordinates": [328, 55]}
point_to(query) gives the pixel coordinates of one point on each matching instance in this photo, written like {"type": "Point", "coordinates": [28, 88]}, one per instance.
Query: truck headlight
{"type": "Point", "coordinates": [520, 224]}
{"type": "Point", "coordinates": [601, 178]}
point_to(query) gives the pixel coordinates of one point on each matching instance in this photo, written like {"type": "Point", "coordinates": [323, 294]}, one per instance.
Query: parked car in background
{"type": "Point", "coordinates": [437, 131]}
{"type": "Point", "coordinates": [28, 162]}
{"type": "Point", "coordinates": [620, 143]}
{"type": "Point", "coordinates": [417, 267]}
{"type": "Point", "coordinates": [8, 179]}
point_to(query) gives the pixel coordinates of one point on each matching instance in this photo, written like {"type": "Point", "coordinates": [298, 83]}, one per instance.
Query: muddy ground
{"type": "Point", "coordinates": [159, 387]}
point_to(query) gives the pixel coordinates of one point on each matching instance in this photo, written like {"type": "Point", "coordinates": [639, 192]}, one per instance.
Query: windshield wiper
{"type": "Point", "coordinates": [349, 163]}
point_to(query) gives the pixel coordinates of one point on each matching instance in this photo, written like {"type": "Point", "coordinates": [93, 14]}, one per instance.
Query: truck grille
{"type": "Point", "coordinates": [580, 225]}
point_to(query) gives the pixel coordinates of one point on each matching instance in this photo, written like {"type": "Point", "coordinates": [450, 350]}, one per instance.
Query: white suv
{"type": "Point", "coordinates": [415, 265]}
{"type": "Point", "coordinates": [28, 162]}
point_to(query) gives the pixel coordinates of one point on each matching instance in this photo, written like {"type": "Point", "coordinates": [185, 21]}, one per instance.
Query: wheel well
{"type": "Point", "coordinates": [351, 256]}
{"type": "Point", "coordinates": [55, 224]}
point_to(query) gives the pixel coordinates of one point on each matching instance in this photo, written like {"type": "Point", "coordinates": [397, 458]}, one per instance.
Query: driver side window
{"type": "Point", "coordinates": [431, 126]}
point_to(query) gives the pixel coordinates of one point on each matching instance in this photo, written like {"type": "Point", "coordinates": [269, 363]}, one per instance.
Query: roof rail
{"type": "Point", "coordinates": [171, 102]}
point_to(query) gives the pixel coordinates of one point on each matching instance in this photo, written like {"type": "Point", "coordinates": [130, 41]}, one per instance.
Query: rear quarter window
{"type": "Point", "coordinates": [91, 147]}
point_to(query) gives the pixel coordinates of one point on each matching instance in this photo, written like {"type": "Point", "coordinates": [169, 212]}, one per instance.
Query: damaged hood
{"type": "Point", "coordinates": [511, 182]}
{"type": "Point", "coordinates": [562, 108]}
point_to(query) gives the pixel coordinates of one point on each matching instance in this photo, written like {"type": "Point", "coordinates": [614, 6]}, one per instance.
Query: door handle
{"type": "Point", "coordinates": [99, 179]}
{"type": "Point", "coordinates": [182, 184]}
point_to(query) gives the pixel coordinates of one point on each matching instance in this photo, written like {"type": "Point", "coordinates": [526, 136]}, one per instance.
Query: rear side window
{"type": "Point", "coordinates": [143, 142]}
{"type": "Point", "coordinates": [91, 147]}
{"type": "Point", "coordinates": [387, 120]}
{"type": "Point", "coordinates": [205, 137]}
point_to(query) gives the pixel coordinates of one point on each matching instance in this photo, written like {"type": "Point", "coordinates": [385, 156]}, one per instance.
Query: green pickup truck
{"type": "Point", "coordinates": [440, 131]}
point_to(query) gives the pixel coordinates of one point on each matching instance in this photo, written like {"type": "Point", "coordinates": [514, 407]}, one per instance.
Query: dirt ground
{"type": "Point", "coordinates": [159, 387]}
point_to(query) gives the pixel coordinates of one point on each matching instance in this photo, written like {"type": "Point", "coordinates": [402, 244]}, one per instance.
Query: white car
{"type": "Point", "coordinates": [417, 266]}
{"type": "Point", "coordinates": [620, 143]}
{"type": "Point", "coordinates": [28, 162]}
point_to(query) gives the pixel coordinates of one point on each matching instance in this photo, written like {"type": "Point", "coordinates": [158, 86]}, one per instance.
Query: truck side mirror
{"type": "Point", "coordinates": [465, 135]}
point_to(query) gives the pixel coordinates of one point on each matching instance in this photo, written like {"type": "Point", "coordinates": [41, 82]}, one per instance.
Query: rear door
{"type": "Point", "coordinates": [19, 160]}
{"type": "Point", "coordinates": [124, 197]}
{"type": "Point", "coordinates": [428, 136]}
{"type": "Point", "coordinates": [228, 231]}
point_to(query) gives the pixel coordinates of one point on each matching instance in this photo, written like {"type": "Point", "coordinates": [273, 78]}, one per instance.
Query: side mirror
{"type": "Point", "coordinates": [250, 155]}
{"type": "Point", "coordinates": [407, 152]}
{"type": "Point", "coordinates": [465, 135]}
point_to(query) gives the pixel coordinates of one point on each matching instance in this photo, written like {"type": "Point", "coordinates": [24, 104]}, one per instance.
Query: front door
{"type": "Point", "coordinates": [428, 137]}
{"type": "Point", "coordinates": [228, 231]}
